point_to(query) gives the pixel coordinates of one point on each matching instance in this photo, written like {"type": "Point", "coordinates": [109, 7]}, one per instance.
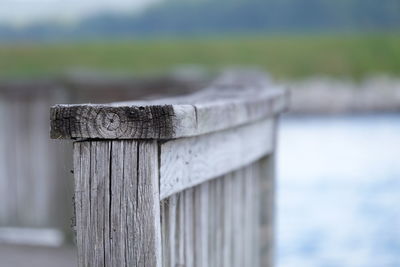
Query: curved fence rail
{"type": "Point", "coordinates": [183, 181]}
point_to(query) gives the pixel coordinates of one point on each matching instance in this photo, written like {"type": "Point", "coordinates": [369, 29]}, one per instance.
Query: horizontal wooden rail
{"type": "Point", "coordinates": [183, 181]}
{"type": "Point", "coordinates": [230, 101]}
{"type": "Point", "coordinates": [187, 162]}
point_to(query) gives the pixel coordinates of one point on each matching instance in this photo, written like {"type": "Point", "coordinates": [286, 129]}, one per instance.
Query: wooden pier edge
{"type": "Point", "coordinates": [184, 181]}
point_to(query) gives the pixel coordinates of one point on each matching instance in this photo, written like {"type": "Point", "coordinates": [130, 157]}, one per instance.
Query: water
{"type": "Point", "coordinates": [339, 192]}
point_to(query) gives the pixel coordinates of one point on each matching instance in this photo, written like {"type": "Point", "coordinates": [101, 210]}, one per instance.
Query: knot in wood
{"type": "Point", "coordinates": [111, 124]}
{"type": "Point", "coordinates": [111, 121]}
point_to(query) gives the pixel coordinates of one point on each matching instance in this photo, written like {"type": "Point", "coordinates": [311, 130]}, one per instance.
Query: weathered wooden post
{"type": "Point", "coordinates": [185, 181]}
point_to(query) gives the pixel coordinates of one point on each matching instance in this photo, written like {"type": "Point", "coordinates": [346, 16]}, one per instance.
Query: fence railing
{"type": "Point", "coordinates": [183, 181]}
{"type": "Point", "coordinates": [32, 198]}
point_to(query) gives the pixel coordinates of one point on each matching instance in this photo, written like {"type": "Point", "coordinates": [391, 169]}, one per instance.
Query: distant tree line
{"type": "Point", "coordinates": [204, 17]}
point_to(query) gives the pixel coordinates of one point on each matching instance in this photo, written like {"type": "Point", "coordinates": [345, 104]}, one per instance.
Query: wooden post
{"type": "Point", "coordinates": [183, 181]}
{"type": "Point", "coordinates": [117, 203]}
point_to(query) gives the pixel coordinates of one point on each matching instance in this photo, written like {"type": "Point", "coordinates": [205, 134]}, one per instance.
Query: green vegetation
{"type": "Point", "coordinates": [283, 56]}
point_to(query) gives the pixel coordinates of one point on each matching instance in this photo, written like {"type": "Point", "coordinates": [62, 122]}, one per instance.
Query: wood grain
{"type": "Point", "coordinates": [117, 203]}
{"type": "Point", "coordinates": [187, 162]}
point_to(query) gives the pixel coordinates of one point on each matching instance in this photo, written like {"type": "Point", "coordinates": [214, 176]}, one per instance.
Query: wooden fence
{"type": "Point", "coordinates": [31, 196]}
{"type": "Point", "coordinates": [183, 181]}
{"type": "Point", "coordinates": [36, 185]}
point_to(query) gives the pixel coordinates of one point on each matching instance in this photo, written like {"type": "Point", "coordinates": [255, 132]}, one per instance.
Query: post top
{"type": "Point", "coordinates": [233, 99]}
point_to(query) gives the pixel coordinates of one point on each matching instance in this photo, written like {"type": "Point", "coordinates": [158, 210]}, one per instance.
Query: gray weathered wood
{"type": "Point", "coordinates": [189, 227]}
{"type": "Point", "coordinates": [223, 225]}
{"type": "Point", "coordinates": [190, 161]}
{"type": "Point", "coordinates": [117, 203]}
{"type": "Point", "coordinates": [267, 212]}
{"type": "Point", "coordinates": [224, 104]}
{"type": "Point", "coordinates": [266, 169]}
{"type": "Point", "coordinates": [199, 193]}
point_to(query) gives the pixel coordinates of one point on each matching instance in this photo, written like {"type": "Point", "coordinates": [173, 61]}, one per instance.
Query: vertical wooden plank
{"type": "Point", "coordinates": [248, 180]}
{"type": "Point", "coordinates": [197, 226]}
{"type": "Point", "coordinates": [267, 200]}
{"type": "Point", "coordinates": [12, 162]}
{"type": "Point", "coordinates": [227, 220]}
{"type": "Point", "coordinates": [78, 196]}
{"type": "Point", "coordinates": [117, 205]}
{"type": "Point", "coordinates": [236, 198]}
{"type": "Point", "coordinates": [148, 212]}
{"type": "Point", "coordinates": [107, 245]}
{"type": "Point", "coordinates": [130, 191]}
{"type": "Point", "coordinates": [165, 226]}
{"type": "Point", "coordinates": [211, 228]}
{"type": "Point", "coordinates": [201, 225]}
{"type": "Point", "coordinates": [100, 153]}
{"type": "Point", "coordinates": [219, 222]}
{"type": "Point", "coordinates": [181, 230]}
{"type": "Point", "coordinates": [189, 228]}
{"type": "Point", "coordinates": [17, 171]}
{"type": "Point", "coordinates": [242, 214]}
{"type": "Point", "coordinates": [85, 226]}
{"type": "Point", "coordinates": [256, 211]}
{"type": "Point", "coordinates": [5, 196]}
{"type": "Point", "coordinates": [173, 202]}
{"type": "Point", "coordinates": [203, 220]}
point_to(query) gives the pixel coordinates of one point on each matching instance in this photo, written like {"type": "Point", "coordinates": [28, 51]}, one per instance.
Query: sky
{"type": "Point", "coordinates": [27, 11]}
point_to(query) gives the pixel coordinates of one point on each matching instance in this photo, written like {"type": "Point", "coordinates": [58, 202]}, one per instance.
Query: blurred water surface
{"type": "Point", "coordinates": [339, 191]}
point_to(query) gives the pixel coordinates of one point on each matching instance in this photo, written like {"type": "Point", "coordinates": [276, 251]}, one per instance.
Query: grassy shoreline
{"type": "Point", "coordinates": [283, 56]}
